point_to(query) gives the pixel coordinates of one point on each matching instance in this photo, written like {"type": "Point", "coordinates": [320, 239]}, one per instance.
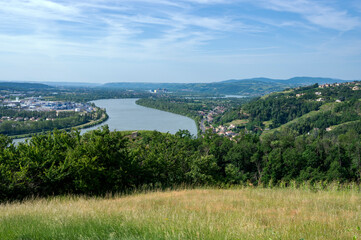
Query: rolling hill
{"type": "Point", "coordinates": [246, 87]}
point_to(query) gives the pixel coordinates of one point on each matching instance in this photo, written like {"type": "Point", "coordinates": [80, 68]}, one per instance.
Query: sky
{"type": "Point", "coordinates": [178, 41]}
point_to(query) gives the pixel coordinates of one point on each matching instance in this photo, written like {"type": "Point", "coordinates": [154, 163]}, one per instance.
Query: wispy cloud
{"type": "Point", "coordinates": [38, 9]}
{"type": "Point", "coordinates": [210, 1]}
{"type": "Point", "coordinates": [214, 32]}
{"type": "Point", "coordinates": [316, 13]}
{"type": "Point", "coordinates": [117, 25]}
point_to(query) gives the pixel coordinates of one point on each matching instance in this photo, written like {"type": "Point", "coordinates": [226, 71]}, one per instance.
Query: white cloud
{"type": "Point", "coordinates": [38, 9]}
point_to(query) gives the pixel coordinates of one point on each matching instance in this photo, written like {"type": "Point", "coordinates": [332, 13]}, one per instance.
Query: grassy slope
{"type": "Point", "coordinates": [248, 213]}
{"type": "Point", "coordinates": [344, 124]}
{"type": "Point", "coordinates": [325, 107]}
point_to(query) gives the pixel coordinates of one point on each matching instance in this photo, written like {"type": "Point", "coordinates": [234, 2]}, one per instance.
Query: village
{"type": "Point", "coordinates": [222, 130]}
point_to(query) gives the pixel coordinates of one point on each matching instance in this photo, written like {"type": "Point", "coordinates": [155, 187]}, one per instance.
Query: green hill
{"type": "Point", "coordinates": [305, 109]}
{"type": "Point", "coordinates": [23, 86]}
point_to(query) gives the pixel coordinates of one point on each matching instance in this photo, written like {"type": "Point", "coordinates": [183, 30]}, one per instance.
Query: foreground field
{"type": "Point", "coordinates": [250, 213]}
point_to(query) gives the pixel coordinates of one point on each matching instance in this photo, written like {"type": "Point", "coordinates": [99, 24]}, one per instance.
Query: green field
{"type": "Point", "coordinates": [247, 213]}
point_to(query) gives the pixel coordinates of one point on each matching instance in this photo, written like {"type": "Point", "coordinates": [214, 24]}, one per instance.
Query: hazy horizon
{"type": "Point", "coordinates": [187, 41]}
{"type": "Point", "coordinates": [101, 83]}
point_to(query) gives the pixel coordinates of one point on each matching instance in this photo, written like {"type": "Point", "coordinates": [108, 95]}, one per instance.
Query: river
{"type": "Point", "coordinates": [125, 114]}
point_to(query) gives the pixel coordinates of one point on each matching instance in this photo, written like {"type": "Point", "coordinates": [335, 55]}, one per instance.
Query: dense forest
{"type": "Point", "coordinates": [102, 161]}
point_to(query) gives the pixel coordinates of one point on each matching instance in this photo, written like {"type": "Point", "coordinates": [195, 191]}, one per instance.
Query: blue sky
{"type": "Point", "coordinates": [178, 41]}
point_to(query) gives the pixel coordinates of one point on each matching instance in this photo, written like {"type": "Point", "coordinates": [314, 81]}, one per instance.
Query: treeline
{"type": "Point", "coordinates": [90, 94]}
{"type": "Point", "coordinates": [17, 86]}
{"type": "Point", "coordinates": [46, 121]}
{"type": "Point", "coordinates": [182, 106]}
{"type": "Point", "coordinates": [102, 161]}
{"type": "Point", "coordinates": [14, 113]}
{"type": "Point", "coordinates": [177, 105]}
{"type": "Point", "coordinates": [192, 107]}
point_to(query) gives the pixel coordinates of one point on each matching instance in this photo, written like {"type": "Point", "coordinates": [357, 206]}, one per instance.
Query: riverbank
{"type": "Point", "coordinates": [246, 213]}
{"type": "Point", "coordinates": [197, 120]}
{"type": "Point", "coordinates": [92, 123]}
{"type": "Point", "coordinates": [126, 114]}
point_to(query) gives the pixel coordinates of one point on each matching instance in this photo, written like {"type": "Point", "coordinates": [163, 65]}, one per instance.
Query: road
{"type": "Point", "coordinates": [201, 126]}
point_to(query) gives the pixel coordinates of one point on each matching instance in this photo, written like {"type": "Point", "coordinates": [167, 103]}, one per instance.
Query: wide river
{"type": "Point", "coordinates": [125, 114]}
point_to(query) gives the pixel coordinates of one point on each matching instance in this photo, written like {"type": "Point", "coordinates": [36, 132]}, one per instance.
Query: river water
{"type": "Point", "coordinates": [125, 114]}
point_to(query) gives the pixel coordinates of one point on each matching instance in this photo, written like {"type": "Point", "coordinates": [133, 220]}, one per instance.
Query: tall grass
{"type": "Point", "coordinates": [245, 213]}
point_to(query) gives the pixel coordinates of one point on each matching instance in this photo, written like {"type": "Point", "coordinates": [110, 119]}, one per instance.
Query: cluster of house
{"type": "Point", "coordinates": [225, 130]}
{"type": "Point", "coordinates": [355, 85]}
{"type": "Point", "coordinates": [220, 130]}
{"type": "Point", "coordinates": [211, 114]}
{"type": "Point", "coordinates": [329, 85]}
{"type": "Point", "coordinates": [38, 104]}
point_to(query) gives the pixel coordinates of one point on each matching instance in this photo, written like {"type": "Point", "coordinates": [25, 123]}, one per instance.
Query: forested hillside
{"type": "Point", "coordinates": [314, 108]}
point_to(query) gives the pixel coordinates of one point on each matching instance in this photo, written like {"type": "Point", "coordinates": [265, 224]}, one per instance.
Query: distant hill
{"type": "Point", "coordinates": [304, 81]}
{"type": "Point", "coordinates": [143, 85]}
{"type": "Point", "coordinates": [72, 84]}
{"type": "Point", "coordinates": [22, 86]}
{"type": "Point", "coordinates": [247, 87]}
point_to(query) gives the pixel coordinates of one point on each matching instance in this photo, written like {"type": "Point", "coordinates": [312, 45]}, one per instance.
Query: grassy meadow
{"type": "Point", "coordinates": [246, 213]}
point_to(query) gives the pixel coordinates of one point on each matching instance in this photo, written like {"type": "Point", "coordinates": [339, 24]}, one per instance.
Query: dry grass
{"type": "Point", "coordinates": [249, 213]}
